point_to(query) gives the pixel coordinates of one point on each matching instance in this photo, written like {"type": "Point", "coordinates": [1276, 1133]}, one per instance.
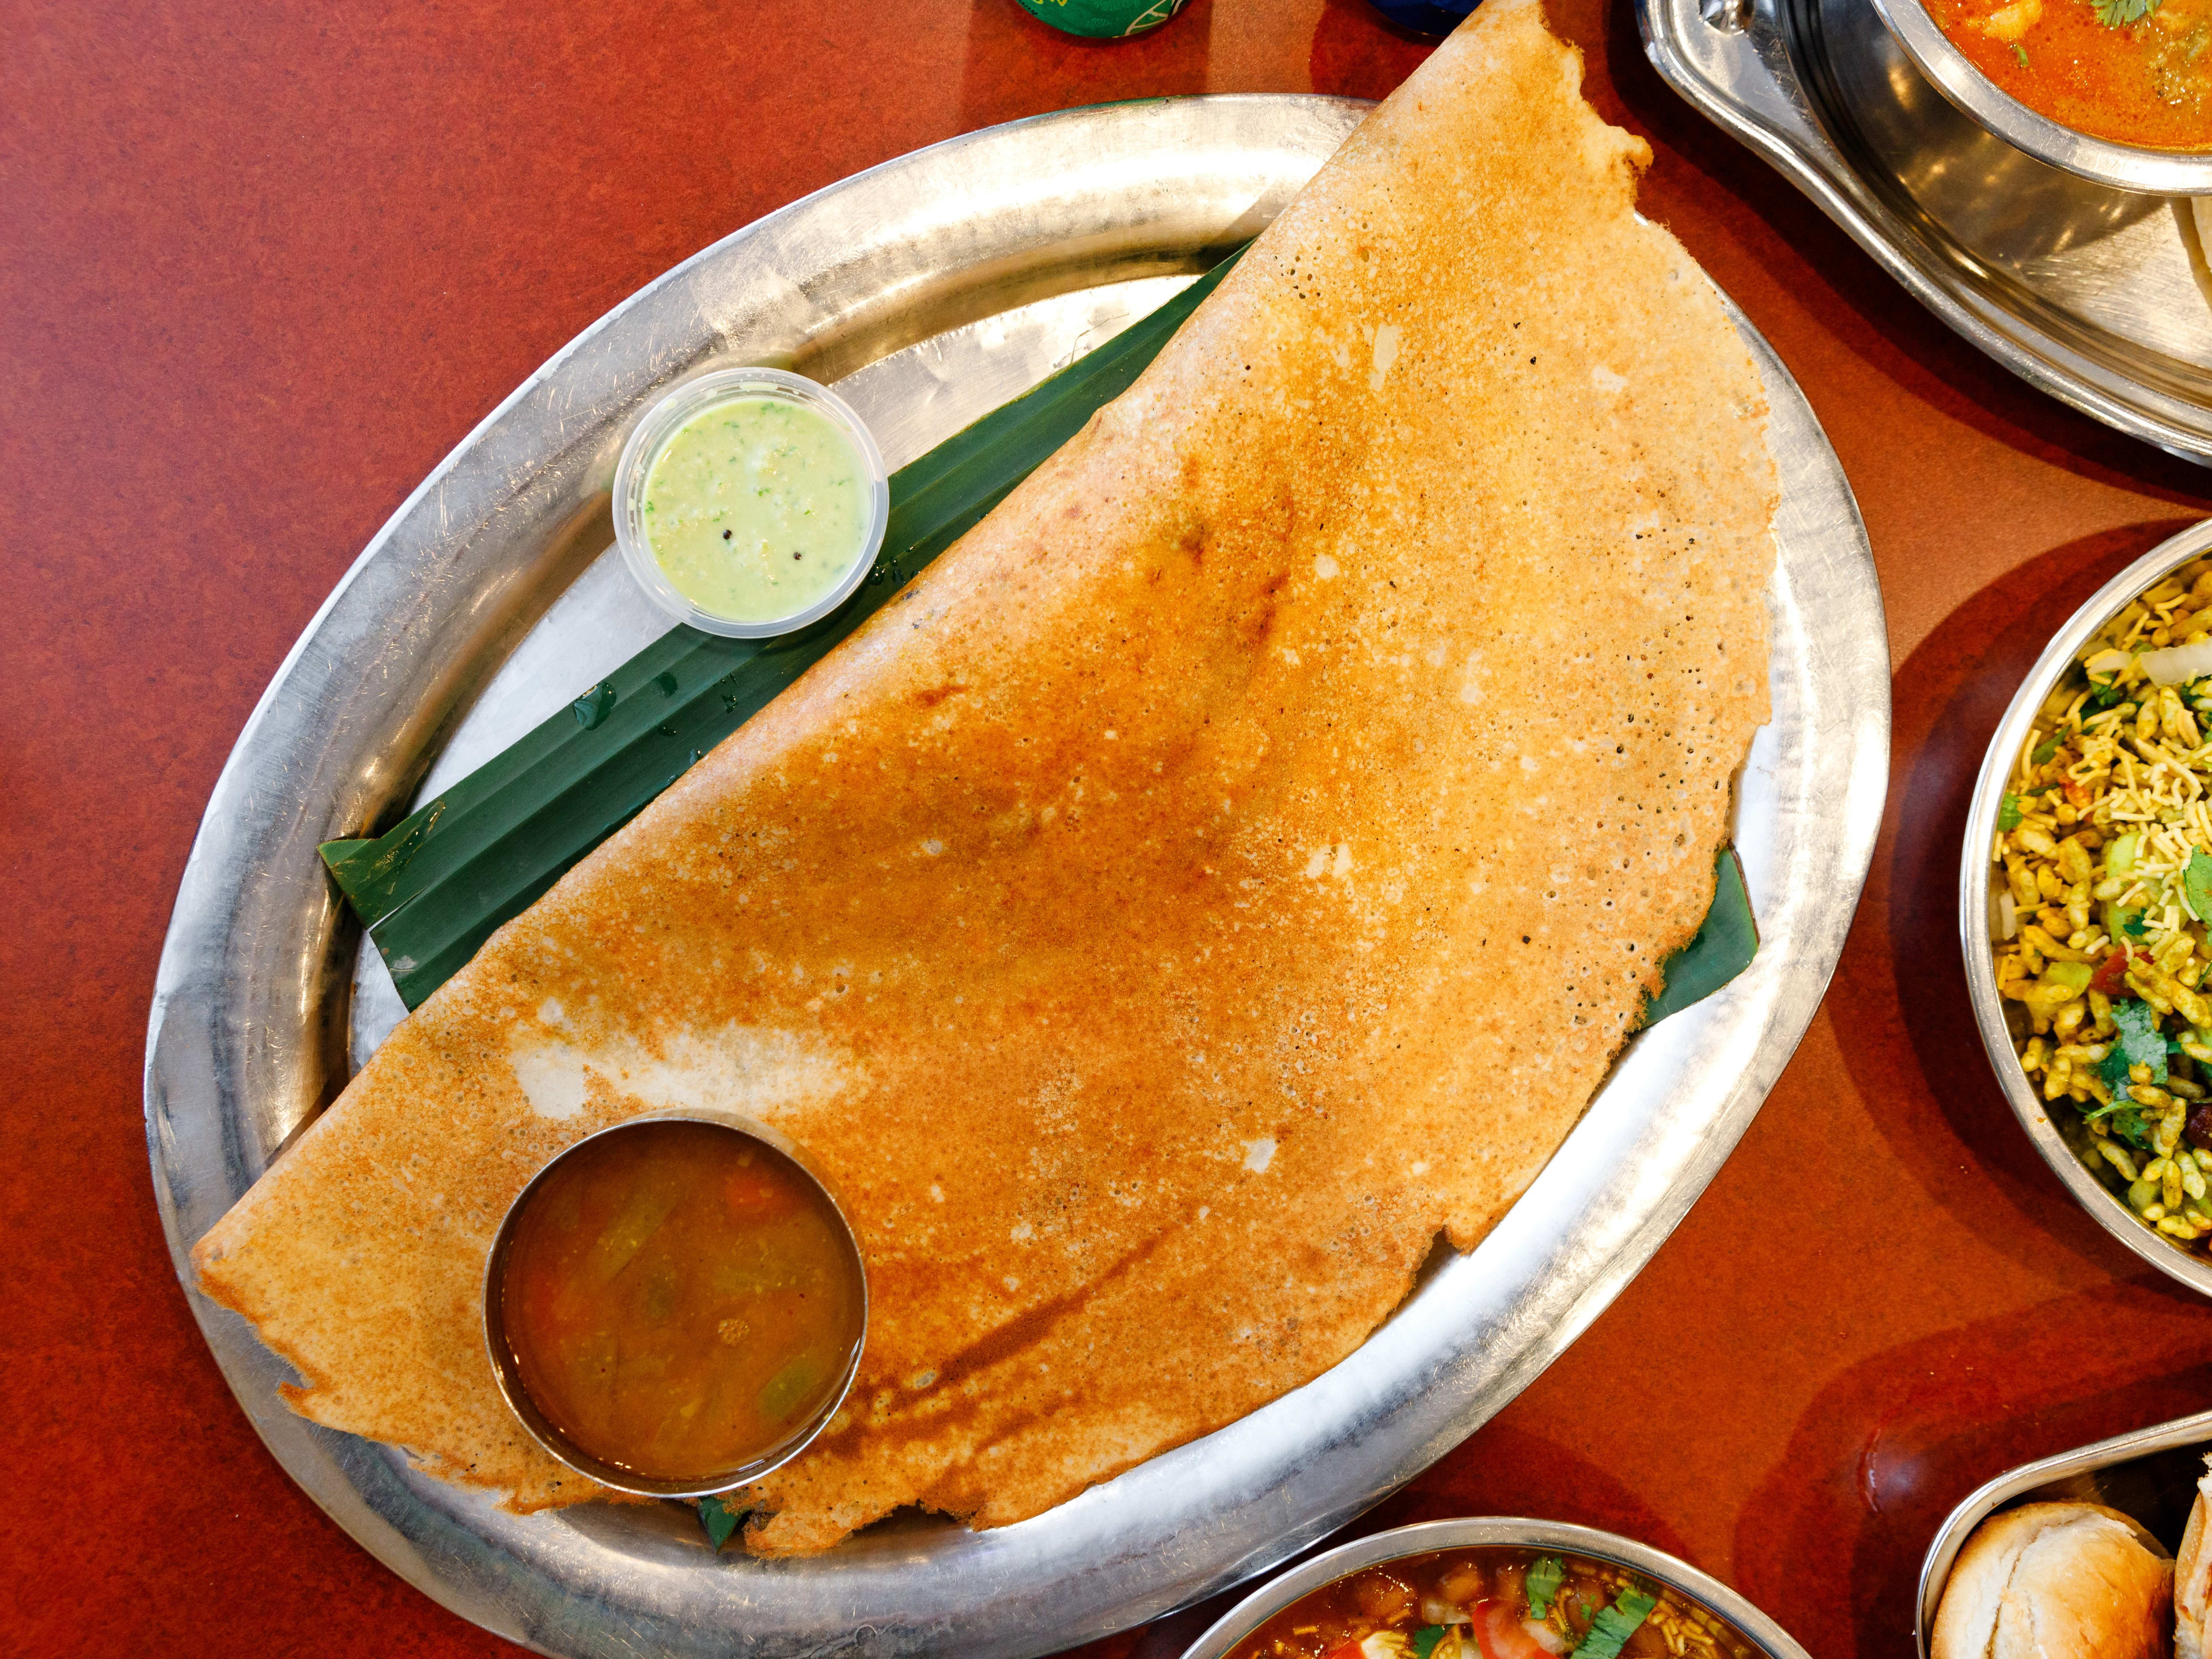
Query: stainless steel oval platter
{"type": "Point", "coordinates": [1493, 1532]}
{"type": "Point", "coordinates": [1977, 906]}
{"type": "Point", "coordinates": [930, 289]}
{"type": "Point", "coordinates": [2096, 294]}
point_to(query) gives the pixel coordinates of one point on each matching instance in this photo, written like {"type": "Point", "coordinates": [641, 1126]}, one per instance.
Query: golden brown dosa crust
{"type": "Point", "coordinates": [1235, 862]}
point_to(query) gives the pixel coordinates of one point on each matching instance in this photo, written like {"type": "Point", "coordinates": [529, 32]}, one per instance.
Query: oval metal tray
{"type": "Point", "coordinates": [930, 289]}
{"type": "Point", "coordinates": [2097, 295]}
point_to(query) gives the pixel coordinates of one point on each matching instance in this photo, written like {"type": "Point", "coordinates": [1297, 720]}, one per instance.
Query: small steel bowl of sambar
{"type": "Point", "coordinates": [676, 1305]}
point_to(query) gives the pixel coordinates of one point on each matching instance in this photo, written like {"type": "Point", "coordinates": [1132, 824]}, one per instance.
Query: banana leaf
{"type": "Point", "coordinates": [431, 889]}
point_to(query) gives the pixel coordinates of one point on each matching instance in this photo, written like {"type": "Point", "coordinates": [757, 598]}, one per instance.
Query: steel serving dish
{"type": "Point", "coordinates": [1758, 1631]}
{"type": "Point", "coordinates": [2150, 1474]}
{"type": "Point", "coordinates": [2101, 161]}
{"type": "Point", "coordinates": [1977, 908]}
{"type": "Point", "coordinates": [506, 1372]}
{"type": "Point", "coordinates": [929, 290]}
{"type": "Point", "coordinates": [2096, 294]}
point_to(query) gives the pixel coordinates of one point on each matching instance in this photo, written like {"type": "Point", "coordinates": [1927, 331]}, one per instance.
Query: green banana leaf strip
{"type": "Point", "coordinates": [434, 886]}
{"type": "Point", "coordinates": [1722, 948]}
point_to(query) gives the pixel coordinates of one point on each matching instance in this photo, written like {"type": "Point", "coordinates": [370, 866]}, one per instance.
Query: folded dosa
{"type": "Point", "coordinates": [1231, 866]}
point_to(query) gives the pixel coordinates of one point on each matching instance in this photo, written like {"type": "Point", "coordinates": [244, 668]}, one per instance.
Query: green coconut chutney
{"type": "Point", "coordinates": [755, 508]}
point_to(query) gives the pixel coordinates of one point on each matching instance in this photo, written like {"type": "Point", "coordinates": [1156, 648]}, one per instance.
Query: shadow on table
{"type": "Point", "coordinates": [1888, 1449]}
{"type": "Point", "coordinates": [1898, 1002]}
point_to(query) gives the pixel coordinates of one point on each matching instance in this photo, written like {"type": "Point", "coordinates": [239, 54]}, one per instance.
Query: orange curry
{"type": "Point", "coordinates": [2135, 71]}
{"type": "Point", "coordinates": [679, 1298]}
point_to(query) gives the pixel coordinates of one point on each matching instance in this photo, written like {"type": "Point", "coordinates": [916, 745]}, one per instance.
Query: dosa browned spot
{"type": "Point", "coordinates": [1236, 862]}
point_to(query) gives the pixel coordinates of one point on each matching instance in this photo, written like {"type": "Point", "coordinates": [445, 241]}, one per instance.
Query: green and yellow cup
{"type": "Point", "coordinates": [1104, 19]}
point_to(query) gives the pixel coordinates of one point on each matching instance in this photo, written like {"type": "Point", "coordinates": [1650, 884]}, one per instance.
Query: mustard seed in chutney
{"type": "Point", "coordinates": [757, 507]}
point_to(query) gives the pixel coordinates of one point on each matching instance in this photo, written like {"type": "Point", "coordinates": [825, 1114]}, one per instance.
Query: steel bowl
{"type": "Point", "coordinates": [548, 1434]}
{"type": "Point", "coordinates": [1757, 1631]}
{"type": "Point", "coordinates": [2122, 167]}
{"type": "Point", "coordinates": [1978, 892]}
{"type": "Point", "coordinates": [2150, 1476]}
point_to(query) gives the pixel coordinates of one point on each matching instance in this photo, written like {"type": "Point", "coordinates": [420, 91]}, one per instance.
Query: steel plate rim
{"type": "Point", "coordinates": [1497, 1532]}
{"type": "Point", "coordinates": [2103, 1206]}
{"type": "Point", "coordinates": [1855, 705]}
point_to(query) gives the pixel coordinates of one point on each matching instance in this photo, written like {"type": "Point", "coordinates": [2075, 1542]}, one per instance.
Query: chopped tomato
{"type": "Point", "coordinates": [1502, 1634]}
{"type": "Point", "coordinates": [1347, 1650]}
{"type": "Point", "coordinates": [2111, 973]}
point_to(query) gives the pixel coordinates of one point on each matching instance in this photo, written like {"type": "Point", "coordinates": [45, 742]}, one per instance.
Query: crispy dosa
{"type": "Point", "coordinates": [1234, 864]}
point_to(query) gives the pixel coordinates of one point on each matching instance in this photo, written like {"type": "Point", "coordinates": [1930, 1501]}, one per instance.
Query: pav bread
{"type": "Point", "coordinates": [2057, 1581]}
{"type": "Point", "coordinates": [2192, 1581]}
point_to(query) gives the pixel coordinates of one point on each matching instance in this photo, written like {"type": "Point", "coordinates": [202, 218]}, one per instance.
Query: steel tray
{"type": "Point", "coordinates": [2097, 295]}
{"type": "Point", "coordinates": [930, 289]}
{"type": "Point", "coordinates": [2151, 1475]}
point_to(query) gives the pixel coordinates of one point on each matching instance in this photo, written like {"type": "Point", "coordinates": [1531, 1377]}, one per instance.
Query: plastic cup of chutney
{"type": "Point", "coordinates": [675, 1305]}
{"type": "Point", "coordinates": [751, 501]}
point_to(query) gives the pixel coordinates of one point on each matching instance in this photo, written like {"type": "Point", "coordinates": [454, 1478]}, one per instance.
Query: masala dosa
{"type": "Point", "coordinates": [1232, 865]}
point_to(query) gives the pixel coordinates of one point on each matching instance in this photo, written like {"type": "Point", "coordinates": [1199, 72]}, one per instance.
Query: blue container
{"type": "Point", "coordinates": [1433, 18]}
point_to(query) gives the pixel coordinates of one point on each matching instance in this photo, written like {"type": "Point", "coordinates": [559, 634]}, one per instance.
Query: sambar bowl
{"type": "Point", "coordinates": [549, 1435]}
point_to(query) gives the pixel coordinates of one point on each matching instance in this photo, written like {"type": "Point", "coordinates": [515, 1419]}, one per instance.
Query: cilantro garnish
{"type": "Point", "coordinates": [2021, 52]}
{"type": "Point", "coordinates": [1426, 1640]}
{"type": "Point", "coordinates": [2008, 814]}
{"type": "Point", "coordinates": [2120, 13]}
{"type": "Point", "coordinates": [2196, 884]}
{"type": "Point", "coordinates": [2046, 748]}
{"type": "Point", "coordinates": [1544, 1583]}
{"type": "Point", "coordinates": [1614, 1625]}
{"type": "Point", "coordinates": [2104, 693]}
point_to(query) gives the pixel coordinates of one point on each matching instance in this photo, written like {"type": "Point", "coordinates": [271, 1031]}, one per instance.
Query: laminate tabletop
{"type": "Point", "coordinates": [261, 267]}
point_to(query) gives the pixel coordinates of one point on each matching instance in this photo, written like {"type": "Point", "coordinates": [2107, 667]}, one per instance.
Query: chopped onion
{"type": "Point", "coordinates": [2177, 663]}
{"type": "Point", "coordinates": [2008, 916]}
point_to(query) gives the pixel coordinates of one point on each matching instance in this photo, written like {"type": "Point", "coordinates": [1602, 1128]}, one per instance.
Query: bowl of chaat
{"type": "Point", "coordinates": [1494, 1588]}
{"type": "Point", "coordinates": [2086, 905]}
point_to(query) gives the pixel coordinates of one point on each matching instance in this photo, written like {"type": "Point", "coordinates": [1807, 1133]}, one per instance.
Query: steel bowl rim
{"type": "Point", "coordinates": [1509, 1531]}
{"type": "Point", "coordinates": [557, 1446]}
{"type": "Point", "coordinates": [1974, 900]}
{"type": "Point", "coordinates": [2102, 161]}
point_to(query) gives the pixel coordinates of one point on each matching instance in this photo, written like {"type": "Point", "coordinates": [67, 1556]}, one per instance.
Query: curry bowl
{"type": "Point", "coordinates": [2135, 168]}
{"type": "Point", "coordinates": [1989, 917]}
{"type": "Point", "coordinates": [675, 1305]}
{"type": "Point", "coordinates": [1680, 1611]}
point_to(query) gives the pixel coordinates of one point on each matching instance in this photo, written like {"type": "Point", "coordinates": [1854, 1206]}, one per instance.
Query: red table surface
{"type": "Point", "coordinates": [265, 265]}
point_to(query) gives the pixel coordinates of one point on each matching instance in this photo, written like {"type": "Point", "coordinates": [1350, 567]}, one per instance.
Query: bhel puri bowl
{"type": "Point", "coordinates": [1984, 898]}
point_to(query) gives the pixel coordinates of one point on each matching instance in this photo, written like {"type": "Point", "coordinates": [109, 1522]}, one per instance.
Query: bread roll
{"type": "Point", "coordinates": [2192, 1581]}
{"type": "Point", "coordinates": [2057, 1581]}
